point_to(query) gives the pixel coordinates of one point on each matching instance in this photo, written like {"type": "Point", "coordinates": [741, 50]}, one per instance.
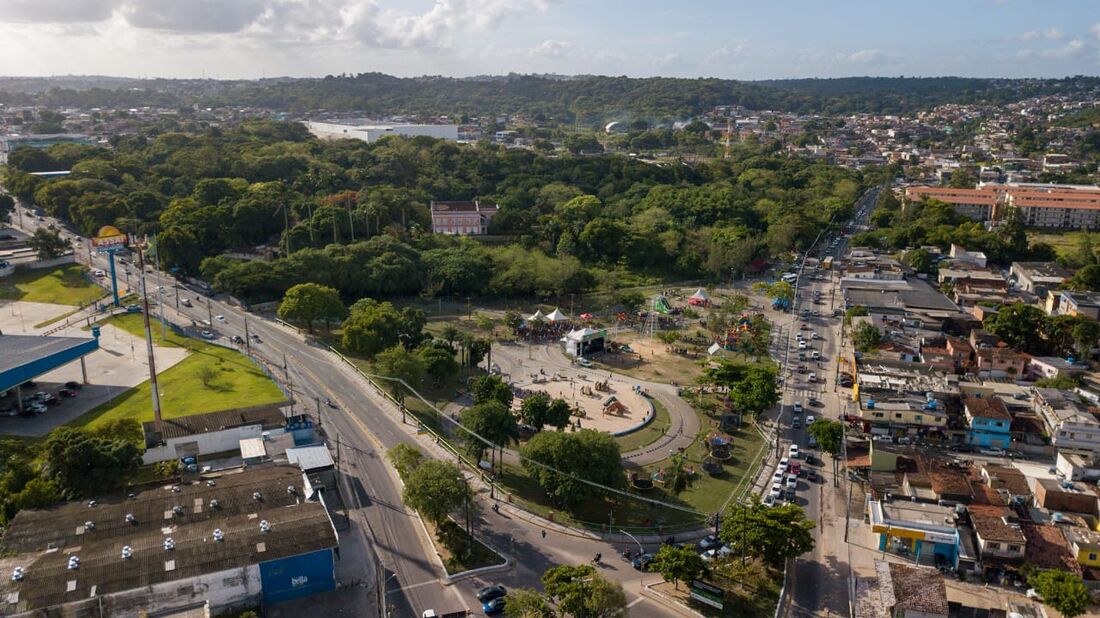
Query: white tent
{"type": "Point", "coordinates": [700, 294]}
{"type": "Point", "coordinates": [555, 316]}
{"type": "Point", "coordinates": [536, 316]}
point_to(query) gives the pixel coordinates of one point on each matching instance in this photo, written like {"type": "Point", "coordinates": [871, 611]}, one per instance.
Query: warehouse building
{"type": "Point", "coordinates": [236, 540]}
{"type": "Point", "coordinates": [369, 131]}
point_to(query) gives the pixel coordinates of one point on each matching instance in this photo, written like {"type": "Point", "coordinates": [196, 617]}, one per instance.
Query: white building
{"type": "Point", "coordinates": [203, 434]}
{"type": "Point", "coordinates": [372, 131]}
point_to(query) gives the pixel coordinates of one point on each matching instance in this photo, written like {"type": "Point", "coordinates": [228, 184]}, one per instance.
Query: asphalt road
{"type": "Point", "coordinates": [365, 430]}
{"type": "Point", "coordinates": [818, 583]}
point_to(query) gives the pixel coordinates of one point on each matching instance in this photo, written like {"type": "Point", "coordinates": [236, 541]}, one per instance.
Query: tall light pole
{"type": "Point", "coordinates": [149, 338]}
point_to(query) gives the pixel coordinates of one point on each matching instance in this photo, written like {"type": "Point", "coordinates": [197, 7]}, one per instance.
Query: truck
{"type": "Point", "coordinates": [827, 263]}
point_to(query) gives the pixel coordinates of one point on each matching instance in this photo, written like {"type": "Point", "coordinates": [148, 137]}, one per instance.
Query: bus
{"type": "Point", "coordinates": [827, 263]}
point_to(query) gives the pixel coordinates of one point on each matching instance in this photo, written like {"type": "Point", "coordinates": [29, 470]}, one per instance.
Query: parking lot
{"type": "Point", "coordinates": [119, 365]}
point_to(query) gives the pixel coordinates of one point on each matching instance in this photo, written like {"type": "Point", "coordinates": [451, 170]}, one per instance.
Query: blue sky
{"type": "Point", "coordinates": [689, 38]}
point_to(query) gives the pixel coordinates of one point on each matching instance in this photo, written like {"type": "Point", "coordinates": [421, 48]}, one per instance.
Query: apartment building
{"type": "Point", "coordinates": [976, 204]}
{"type": "Point", "coordinates": [1072, 426]}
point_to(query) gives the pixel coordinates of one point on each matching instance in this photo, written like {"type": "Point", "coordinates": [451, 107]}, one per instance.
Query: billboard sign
{"type": "Point", "coordinates": [109, 239]}
{"type": "Point", "coordinates": [707, 594]}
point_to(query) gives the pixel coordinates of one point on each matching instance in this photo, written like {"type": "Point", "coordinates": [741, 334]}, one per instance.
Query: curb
{"type": "Point", "coordinates": [448, 580]}
{"type": "Point", "coordinates": [649, 592]}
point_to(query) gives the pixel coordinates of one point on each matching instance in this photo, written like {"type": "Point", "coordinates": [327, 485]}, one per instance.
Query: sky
{"type": "Point", "coordinates": [687, 38]}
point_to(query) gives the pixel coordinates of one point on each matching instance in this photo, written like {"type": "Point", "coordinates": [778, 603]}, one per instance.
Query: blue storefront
{"type": "Point", "coordinates": [298, 576]}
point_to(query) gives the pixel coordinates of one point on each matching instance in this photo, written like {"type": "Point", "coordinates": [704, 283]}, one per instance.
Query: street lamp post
{"type": "Point", "coordinates": [641, 550]}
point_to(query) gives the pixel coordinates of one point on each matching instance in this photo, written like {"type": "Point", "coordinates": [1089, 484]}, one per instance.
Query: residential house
{"type": "Point", "coordinates": [1065, 496]}
{"type": "Point", "coordinates": [1085, 545]}
{"type": "Point", "coordinates": [960, 255]}
{"type": "Point", "coordinates": [1010, 483]}
{"type": "Point", "coordinates": [961, 350]}
{"type": "Point", "coordinates": [1001, 361]}
{"type": "Point", "coordinates": [1072, 427]}
{"type": "Point", "coordinates": [1085, 304]}
{"type": "Point", "coordinates": [1001, 543]}
{"type": "Point", "coordinates": [915, 529]}
{"type": "Point", "coordinates": [1053, 366]}
{"type": "Point", "coordinates": [213, 432]}
{"type": "Point", "coordinates": [989, 422]}
{"type": "Point", "coordinates": [1047, 548]}
{"type": "Point", "coordinates": [1038, 277]}
{"type": "Point", "coordinates": [469, 218]}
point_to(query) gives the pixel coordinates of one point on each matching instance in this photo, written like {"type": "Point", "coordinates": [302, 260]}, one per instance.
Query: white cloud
{"type": "Point", "coordinates": [551, 48]}
{"type": "Point", "coordinates": [1050, 34]}
{"type": "Point", "coordinates": [867, 56]}
{"type": "Point", "coordinates": [1095, 30]}
{"type": "Point", "coordinates": [1069, 50]}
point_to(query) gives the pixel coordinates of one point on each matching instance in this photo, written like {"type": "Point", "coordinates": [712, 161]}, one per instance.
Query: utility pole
{"type": "Point", "coordinates": [318, 410]}
{"type": "Point", "coordinates": [247, 339]}
{"type": "Point", "coordinates": [309, 206]}
{"type": "Point", "coordinates": [149, 339]}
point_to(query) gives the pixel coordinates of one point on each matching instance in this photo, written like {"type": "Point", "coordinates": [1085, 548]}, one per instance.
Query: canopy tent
{"type": "Point", "coordinates": [699, 298]}
{"type": "Point", "coordinates": [584, 341]}
{"type": "Point", "coordinates": [538, 315]}
{"type": "Point", "coordinates": [556, 316]}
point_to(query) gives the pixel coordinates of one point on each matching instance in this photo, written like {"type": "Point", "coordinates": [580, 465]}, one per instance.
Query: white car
{"type": "Point", "coordinates": [801, 344]}
{"type": "Point", "coordinates": [220, 318]}
{"type": "Point", "coordinates": [798, 335]}
{"type": "Point", "coordinates": [798, 407]}
{"type": "Point", "coordinates": [784, 463]}
{"type": "Point", "coordinates": [584, 362]}
{"type": "Point", "coordinates": [207, 334]}
{"type": "Point", "coordinates": [98, 273]}
{"type": "Point", "coordinates": [778, 476]}
{"type": "Point", "coordinates": [810, 420]}
{"type": "Point", "coordinates": [815, 355]}
{"type": "Point", "coordinates": [793, 452]}
{"type": "Point", "coordinates": [812, 378]}
{"type": "Point", "coordinates": [815, 336]}
{"type": "Point", "coordinates": [792, 481]}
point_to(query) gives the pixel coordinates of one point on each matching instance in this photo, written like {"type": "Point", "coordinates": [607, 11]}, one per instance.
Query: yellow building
{"type": "Point", "coordinates": [907, 412]}
{"type": "Point", "coordinates": [1085, 545]}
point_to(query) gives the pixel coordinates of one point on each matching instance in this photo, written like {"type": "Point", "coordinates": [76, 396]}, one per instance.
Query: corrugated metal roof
{"type": "Point", "coordinates": [314, 457]}
{"type": "Point", "coordinates": [269, 416]}
{"type": "Point", "coordinates": [297, 526]}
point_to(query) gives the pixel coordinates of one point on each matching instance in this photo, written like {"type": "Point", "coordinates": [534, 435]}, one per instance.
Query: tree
{"type": "Point", "coordinates": [1085, 335]}
{"type": "Point", "coordinates": [779, 289]}
{"type": "Point", "coordinates": [371, 327]}
{"type": "Point", "coordinates": [127, 429]}
{"type": "Point", "coordinates": [405, 458]}
{"type": "Point", "coordinates": [756, 390]}
{"type": "Point", "coordinates": [631, 300]}
{"type": "Point", "coordinates": [439, 362]}
{"type": "Point", "coordinates": [829, 435]}
{"type": "Point", "coordinates": [533, 410]}
{"type": "Point", "coordinates": [558, 414]}
{"type": "Point", "coordinates": [86, 465]}
{"type": "Point", "coordinates": [491, 420]}
{"type": "Point", "coordinates": [435, 489]}
{"type": "Point", "coordinates": [1061, 381]}
{"type": "Point", "coordinates": [773, 534]}
{"type": "Point", "coordinates": [1087, 278]}
{"type": "Point", "coordinates": [678, 564]}
{"type": "Point", "coordinates": [207, 375]}
{"type": "Point", "coordinates": [308, 302]}
{"type": "Point", "coordinates": [492, 388]}
{"type": "Point", "coordinates": [47, 244]}
{"type": "Point", "coordinates": [398, 363]}
{"type": "Point", "coordinates": [866, 337]}
{"type": "Point", "coordinates": [1020, 326]}
{"type": "Point", "coordinates": [581, 592]}
{"type": "Point", "coordinates": [38, 493]}
{"type": "Point", "coordinates": [919, 260]}
{"type": "Point", "coordinates": [526, 603]}
{"type": "Point", "coordinates": [854, 312]}
{"type": "Point", "coordinates": [582, 142]}
{"type": "Point", "coordinates": [1061, 590]}
{"type": "Point", "coordinates": [585, 455]}
{"type": "Point", "coordinates": [7, 206]}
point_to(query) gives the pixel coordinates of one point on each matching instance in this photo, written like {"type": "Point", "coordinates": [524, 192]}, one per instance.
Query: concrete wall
{"type": "Point", "coordinates": [213, 442]}
{"type": "Point", "coordinates": [233, 589]}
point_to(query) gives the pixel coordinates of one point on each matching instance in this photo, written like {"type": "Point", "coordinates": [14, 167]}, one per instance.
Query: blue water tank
{"type": "Point", "coordinates": [870, 404]}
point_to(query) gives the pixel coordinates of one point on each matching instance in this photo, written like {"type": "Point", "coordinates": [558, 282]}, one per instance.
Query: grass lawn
{"type": "Point", "coordinates": [211, 379]}
{"type": "Point", "coordinates": [650, 433]}
{"type": "Point", "coordinates": [134, 323]}
{"type": "Point", "coordinates": [752, 590]}
{"type": "Point", "coordinates": [1061, 241]}
{"type": "Point", "coordinates": [63, 285]}
{"type": "Point", "coordinates": [479, 555]}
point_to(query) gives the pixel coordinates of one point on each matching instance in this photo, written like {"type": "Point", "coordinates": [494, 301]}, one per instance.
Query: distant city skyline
{"type": "Point", "coordinates": [704, 38]}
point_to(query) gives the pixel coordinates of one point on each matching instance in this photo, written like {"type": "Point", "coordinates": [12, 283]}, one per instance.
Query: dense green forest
{"type": "Point", "coordinates": [355, 216]}
{"type": "Point", "coordinates": [588, 100]}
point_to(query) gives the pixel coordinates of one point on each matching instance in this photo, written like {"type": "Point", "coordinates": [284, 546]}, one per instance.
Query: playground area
{"type": "Point", "coordinates": [597, 404]}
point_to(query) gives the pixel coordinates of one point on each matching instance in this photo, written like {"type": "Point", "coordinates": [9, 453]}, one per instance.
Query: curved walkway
{"type": "Point", "coordinates": [684, 422]}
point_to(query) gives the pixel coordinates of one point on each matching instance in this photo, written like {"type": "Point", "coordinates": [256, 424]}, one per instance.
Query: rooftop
{"type": "Point", "coordinates": [987, 407]}
{"type": "Point", "coordinates": [269, 415]}
{"type": "Point", "coordinates": [912, 588]}
{"type": "Point", "coordinates": [1042, 270]}
{"type": "Point", "coordinates": [461, 206]}
{"type": "Point", "coordinates": [1047, 547]}
{"type": "Point", "coordinates": [903, 512]}
{"type": "Point", "coordinates": [228, 502]}
{"type": "Point", "coordinates": [993, 528]}
{"type": "Point", "coordinates": [24, 357]}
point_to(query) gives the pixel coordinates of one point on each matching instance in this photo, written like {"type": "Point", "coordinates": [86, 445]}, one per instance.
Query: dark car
{"type": "Point", "coordinates": [641, 563]}
{"type": "Point", "coordinates": [67, 393]}
{"type": "Point", "coordinates": [237, 339]}
{"type": "Point", "coordinates": [74, 386]}
{"type": "Point", "coordinates": [489, 593]}
{"type": "Point", "coordinates": [493, 606]}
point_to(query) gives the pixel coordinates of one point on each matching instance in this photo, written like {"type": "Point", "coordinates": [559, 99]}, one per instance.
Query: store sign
{"type": "Point", "coordinates": [109, 238]}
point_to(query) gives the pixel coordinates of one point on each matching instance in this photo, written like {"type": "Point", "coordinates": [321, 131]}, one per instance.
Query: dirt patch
{"type": "Point", "coordinates": [653, 360]}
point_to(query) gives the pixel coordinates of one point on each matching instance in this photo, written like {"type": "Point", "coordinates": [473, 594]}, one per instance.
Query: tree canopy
{"type": "Point", "coordinates": [770, 533]}
{"type": "Point", "coordinates": [435, 489]}
{"type": "Point", "coordinates": [309, 302]}
{"type": "Point", "coordinates": [585, 455]}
